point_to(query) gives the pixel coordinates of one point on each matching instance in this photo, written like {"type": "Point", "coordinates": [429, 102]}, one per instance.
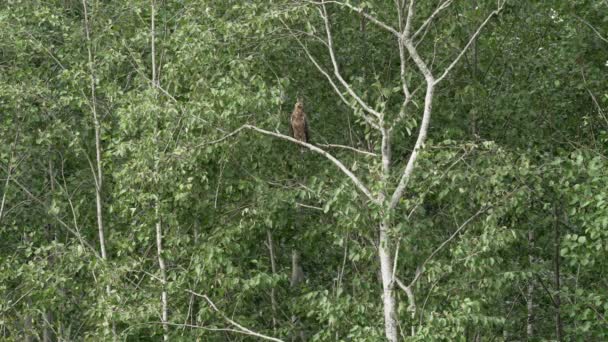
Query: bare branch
{"type": "Point", "coordinates": [471, 40]}
{"type": "Point", "coordinates": [367, 119]}
{"type": "Point", "coordinates": [399, 14]}
{"type": "Point", "coordinates": [597, 105]}
{"type": "Point", "coordinates": [325, 154]}
{"type": "Point", "coordinates": [439, 8]}
{"type": "Point", "coordinates": [422, 66]}
{"type": "Point", "coordinates": [308, 206]}
{"type": "Point", "coordinates": [361, 12]}
{"type": "Point", "coordinates": [599, 35]}
{"type": "Point", "coordinates": [240, 329]}
{"type": "Point", "coordinates": [403, 60]}
{"type": "Point", "coordinates": [61, 222]}
{"type": "Point", "coordinates": [428, 101]}
{"type": "Point", "coordinates": [213, 142]}
{"type": "Point", "coordinates": [420, 269]}
{"type": "Point", "coordinates": [98, 173]}
{"type": "Point", "coordinates": [403, 111]}
{"type": "Point", "coordinates": [68, 195]}
{"type": "Point", "coordinates": [367, 153]}
{"type": "Point", "coordinates": [358, 183]}
{"type": "Point", "coordinates": [424, 126]}
{"type": "Point", "coordinates": [345, 84]}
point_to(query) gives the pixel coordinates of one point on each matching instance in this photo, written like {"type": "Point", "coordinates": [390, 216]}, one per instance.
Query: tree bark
{"type": "Point", "coordinates": [530, 290]}
{"type": "Point", "coordinates": [163, 274]}
{"type": "Point", "coordinates": [557, 298]}
{"type": "Point", "coordinates": [47, 333]}
{"type": "Point", "coordinates": [297, 277]}
{"type": "Point", "coordinates": [273, 267]}
{"type": "Point", "coordinates": [388, 295]}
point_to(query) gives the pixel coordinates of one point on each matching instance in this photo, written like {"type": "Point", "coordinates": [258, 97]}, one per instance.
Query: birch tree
{"type": "Point", "coordinates": [407, 35]}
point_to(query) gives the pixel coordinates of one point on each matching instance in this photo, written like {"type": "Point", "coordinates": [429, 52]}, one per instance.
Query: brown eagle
{"type": "Point", "coordinates": [299, 124]}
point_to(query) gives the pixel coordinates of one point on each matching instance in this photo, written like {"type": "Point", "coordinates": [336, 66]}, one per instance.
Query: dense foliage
{"type": "Point", "coordinates": [503, 227]}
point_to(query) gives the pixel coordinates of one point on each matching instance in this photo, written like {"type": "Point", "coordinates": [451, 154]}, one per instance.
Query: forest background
{"type": "Point", "coordinates": [454, 188]}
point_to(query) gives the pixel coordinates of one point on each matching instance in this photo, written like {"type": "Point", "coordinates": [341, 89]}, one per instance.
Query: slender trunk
{"type": "Point", "coordinates": [530, 289]}
{"type": "Point", "coordinates": [98, 174]}
{"type": "Point", "coordinates": [8, 177]}
{"type": "Point", "coordinates": [297, 277]}
{"type": "Point", "coordinates": [273, 267]}
{"type": "Point", "coordinates": [384, 253]}
{"type": "Point", "coordinates": [388, 295]}
{"type": "Point", "coordinates": [9, 170]}
{"type": "Point", "coordinates": [28, 322]}
{"type": "Point", "coordinates": [297, 273]}
{"type": "Point", "coordinates": [28, 326]}
{"type": "Point", "coordinates": [557, 298]}
{"type": "Point", "coordinates": [47, 333]}
{"type": "Point", "coordinates": [97, 124]}
{"type": "Point", "coordinates": [163, 273]}
{"type": "Point", "coordinates": [159, 232]}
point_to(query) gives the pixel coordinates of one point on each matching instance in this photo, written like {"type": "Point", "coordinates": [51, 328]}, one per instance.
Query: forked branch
{"type": "Point", "coordinates": [431, 82]}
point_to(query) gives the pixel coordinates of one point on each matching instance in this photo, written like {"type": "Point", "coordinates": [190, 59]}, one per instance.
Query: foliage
{"type": "Point", "coordinates": [517, 146]}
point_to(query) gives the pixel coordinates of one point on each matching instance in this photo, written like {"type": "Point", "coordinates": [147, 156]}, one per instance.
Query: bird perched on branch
{"type": "Point", "coordinates": [299, 123]}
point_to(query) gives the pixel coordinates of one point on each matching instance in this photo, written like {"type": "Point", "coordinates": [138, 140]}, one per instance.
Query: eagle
{"type": "Point", "coordinates": [299, 124]}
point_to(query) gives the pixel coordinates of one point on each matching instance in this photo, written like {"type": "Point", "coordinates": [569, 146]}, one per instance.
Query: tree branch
{"type": "Point", "coordinates": [325, 154]}
{"type": "Point", "coordinates": [439, 8]}
{"type": "Point", "coordinates": [599, 35]}
{"type": "Point", "coordinates": [420, 269]}
{"type": "Point", "coordinates": [240, 329]}
{"type": "Point", "coordinates": [367, 153]}
{"type": "Point", "coordinates": [410, 16]}
{"type": "Point", "coordinates": [361, 12]}
{"type": "Point", "coordinates": [61, 222]}
{"type": "Point", "coordinates": [345, 84]}
{"type": "Point", "coordinates": [471, 40]}
{"type": "Point", "coordinates": [408, 291]}
{"type": "Point", "coordinates": [358, 183]}
{"type": "Point", "coordinates": [367, 119]}
{"type": "Point", "coordinates": [428, 101]}
{"type": "Point", "coordinates": [409, 168]}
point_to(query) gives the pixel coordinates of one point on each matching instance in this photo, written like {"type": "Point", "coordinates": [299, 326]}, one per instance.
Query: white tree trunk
{"type": "Point", "coordinates": [388, 295]}
{"type": "Point", "coordinates": [159, 232]}
{"type": "Point", "coordinates": [98, 173]}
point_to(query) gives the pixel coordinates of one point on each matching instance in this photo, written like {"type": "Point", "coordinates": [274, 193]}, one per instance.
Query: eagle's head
{"type": "Point", "coordinates": [300, 104]}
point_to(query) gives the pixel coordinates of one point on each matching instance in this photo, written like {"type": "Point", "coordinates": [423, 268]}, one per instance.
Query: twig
{"type": "Point", "coordinates": [61, 222]}
{"type": "Point", "coordinates": [599, 35]}
{"type": "Point", "coordinates": [471, 40]}
{"type": "Point", "coordinates": [420, 269]}
{"type": "Point", "coordinates": [439, 8]}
